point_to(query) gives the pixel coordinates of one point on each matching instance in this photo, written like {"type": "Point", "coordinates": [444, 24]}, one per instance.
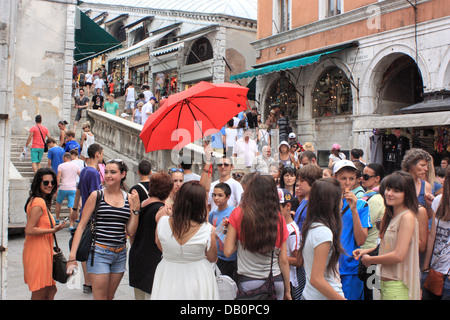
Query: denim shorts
{"type": "Point", "coordinates": [70, 194]}
{"type": "Point", "coordinates": [107, 261]}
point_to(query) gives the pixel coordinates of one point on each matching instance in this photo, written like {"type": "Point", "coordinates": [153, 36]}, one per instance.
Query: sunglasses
{"type": "Point", "coordinates": [46, 183]}
{"type": "Point", "coordinates": [176, 170]}
{"type": "Point", "coordinates": [223, 165]}
{"type": "Point", "coordinates": [115, 161]}
{"type": "Point", "coordinates": [365, 176]}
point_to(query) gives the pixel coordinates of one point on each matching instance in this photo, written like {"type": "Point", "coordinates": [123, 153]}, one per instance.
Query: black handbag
{"type": "Point", "coordinates": [87, 241]}
{"type": "Point", "coordinates": [59, 272]}
{"type": "Point", "coordinates": [266, 291]}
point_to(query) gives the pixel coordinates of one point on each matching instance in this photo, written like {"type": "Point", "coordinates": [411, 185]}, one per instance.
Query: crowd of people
{"type": "Point", "coordinates": [98, 91]}
{"type": "Point", "coordinates": [340, 232]}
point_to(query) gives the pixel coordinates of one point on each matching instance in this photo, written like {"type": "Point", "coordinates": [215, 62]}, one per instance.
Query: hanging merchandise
{"type": "Point", "coordinates": [441, 139]}
{"type": "Point", "coordinates": [395, 146]}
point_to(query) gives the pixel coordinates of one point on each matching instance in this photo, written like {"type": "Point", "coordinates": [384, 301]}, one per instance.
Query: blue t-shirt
{"type": "Point", "coordinates": [89, 182]}
{"type": "Point", "coordinates": [72, 144]}
{"type": "Point", "coordinates": [56, 155]}
{"type": "Point", "coordinates": [216, 139]}
{"type": "Point", "coordinates": [300, 214]}
{"type": "Point", "coordinates": [347, 264]}
{"type": "Point", "coordinates": [215, 217]}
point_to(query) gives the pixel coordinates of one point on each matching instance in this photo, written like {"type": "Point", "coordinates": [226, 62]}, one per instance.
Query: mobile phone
{"type": "Point", "coordinates": [65, 220]}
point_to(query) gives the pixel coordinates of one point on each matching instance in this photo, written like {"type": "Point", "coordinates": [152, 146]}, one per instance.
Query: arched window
{"type": "Point", "coordinates": [167, 39]}
{"type": "Point", "coordinates": [200, 51]}
{"type": "Point", "coordinates": [332, 95]}
{"type": "Point", "coordinates": [119, 32]}
{"type": "Point", "coordinates": [283, 96]}
{"type": "Point", "coordinates": [140, 35]}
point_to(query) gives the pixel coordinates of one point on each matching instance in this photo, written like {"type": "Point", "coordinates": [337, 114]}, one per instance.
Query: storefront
{"type": "Point", "coordinates": [138, 69]}
{"type": "Point", "coordinates": [165, 83]}
{"type": "Point", "coordinates": [282, 96]}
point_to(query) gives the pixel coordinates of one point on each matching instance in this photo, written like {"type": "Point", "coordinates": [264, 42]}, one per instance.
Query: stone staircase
{"type": "Point", "coordinates": [25, 169]}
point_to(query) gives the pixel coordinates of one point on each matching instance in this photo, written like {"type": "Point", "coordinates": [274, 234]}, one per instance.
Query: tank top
{"type": "Point", "coordinates": [130, 95]}
{"type": "Point", "coordinates": [407, 271]}
{"type": "Point", "coordinates": [421, 195]}
{"type": "Point", "coordinates": [111, 223]}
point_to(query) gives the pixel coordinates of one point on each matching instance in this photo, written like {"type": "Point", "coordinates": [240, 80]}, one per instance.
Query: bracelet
{"type": "Point", "coordinates": [76, 209]}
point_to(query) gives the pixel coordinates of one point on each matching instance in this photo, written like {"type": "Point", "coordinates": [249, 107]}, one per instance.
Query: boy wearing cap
{"type": "Point", "coordinates": [293, 240]}
{"type": "Point", "coordinates": [355, 224]}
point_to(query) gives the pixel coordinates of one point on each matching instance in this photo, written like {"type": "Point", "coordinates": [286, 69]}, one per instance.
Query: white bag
{"type": "Point", "coordinates": [227, 286]}
{"type": "Point", "coordinates": [23, 155]}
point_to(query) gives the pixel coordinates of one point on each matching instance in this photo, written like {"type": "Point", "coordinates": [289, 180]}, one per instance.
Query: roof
{"type": "Point", "coordinates": [236, 8]}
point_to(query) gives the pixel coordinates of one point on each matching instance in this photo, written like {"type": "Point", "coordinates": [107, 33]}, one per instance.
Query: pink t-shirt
{"type": "Point", "coordinates": [37, 138]}
{"type": "Point", "coordinates": [69, 172]}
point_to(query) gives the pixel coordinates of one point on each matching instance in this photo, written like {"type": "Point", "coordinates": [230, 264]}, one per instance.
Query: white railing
{"type": "Point", "coordinates": [119, 138]}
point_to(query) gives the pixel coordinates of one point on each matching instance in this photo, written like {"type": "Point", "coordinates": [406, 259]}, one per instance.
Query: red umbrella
{"type": "Point", "coordinates": [192, 114]}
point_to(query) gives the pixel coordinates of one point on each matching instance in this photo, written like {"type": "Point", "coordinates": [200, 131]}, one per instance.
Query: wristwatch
{"type": "Point", "coordinates": [136, 212]}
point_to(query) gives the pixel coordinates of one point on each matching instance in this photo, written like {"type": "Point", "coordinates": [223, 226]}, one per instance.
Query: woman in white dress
{"type": "Point", "coordinates": [86, 140]}
{"type": "Point", "coordinates": [188, 246]}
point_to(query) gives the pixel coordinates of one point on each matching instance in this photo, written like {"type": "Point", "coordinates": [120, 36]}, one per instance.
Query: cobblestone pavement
{"type": "Point", "coordinates": [17, 289]}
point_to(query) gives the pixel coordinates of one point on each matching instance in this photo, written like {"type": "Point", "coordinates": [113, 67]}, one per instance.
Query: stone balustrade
{"type": "Point", "coordinates": [119, 138]}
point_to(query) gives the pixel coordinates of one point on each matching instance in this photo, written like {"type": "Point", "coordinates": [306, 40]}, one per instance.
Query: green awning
{"type": "Point", "coordinates": [91, 40]}
{"type": "Point", "coordinates": [282, 66]}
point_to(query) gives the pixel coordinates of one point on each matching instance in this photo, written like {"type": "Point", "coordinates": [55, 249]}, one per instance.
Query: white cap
{"type": "Point", "coordinates": [341, 164]}
{"type": "Point", "coordinates": [292, 135]}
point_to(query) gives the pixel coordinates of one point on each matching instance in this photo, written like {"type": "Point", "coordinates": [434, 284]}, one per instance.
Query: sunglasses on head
{"type": "Point", "coordinates": [46, 182]}
{"type": "Point", "coordinates": [115, 161]}
{"type": "Point", "coordinates": [365, 176]}
{"type": "Point", "coordinates": [175, 170]}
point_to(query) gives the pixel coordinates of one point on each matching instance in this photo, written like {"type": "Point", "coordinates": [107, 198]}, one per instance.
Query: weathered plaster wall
{"type": "Point", "coordinates": [41, 71]}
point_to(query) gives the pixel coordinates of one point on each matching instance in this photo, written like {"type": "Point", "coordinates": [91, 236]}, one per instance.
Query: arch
{"type": "Point", "coordinates": [200, 50]}
{"type": "Point", "coordinates": [375, 70]}
{"type": "Point", "coordinates": [282, 78]}
{"type": "Point", "coordinates": [443, 76]}
{"type": "Point", "coordinates": [315, 74]}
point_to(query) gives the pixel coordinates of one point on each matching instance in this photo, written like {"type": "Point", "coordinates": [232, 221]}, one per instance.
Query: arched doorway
{"type": "Point", "coordinates": [400, 85]}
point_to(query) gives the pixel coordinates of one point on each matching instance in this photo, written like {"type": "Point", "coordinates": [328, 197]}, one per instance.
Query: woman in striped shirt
{"type": "Point", "coordinates": [117, 217]}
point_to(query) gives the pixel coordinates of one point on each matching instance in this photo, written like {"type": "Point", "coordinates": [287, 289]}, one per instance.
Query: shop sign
{"type": "Point", "coordinates": [280, 50]}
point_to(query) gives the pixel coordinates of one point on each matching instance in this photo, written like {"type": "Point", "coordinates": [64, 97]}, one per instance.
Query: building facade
{"type": "Point", "coordinates": [346, 71]}
{"type": "Point", "coordinates": [172, 46]}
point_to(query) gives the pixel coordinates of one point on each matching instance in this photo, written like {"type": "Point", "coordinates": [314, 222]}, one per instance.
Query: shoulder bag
{"type": "Point", "coordinates": [59, 261]}
{"type": "Point", "coordinates": [434, 281]}
{"type": "Point", "coordinates": [87, 241]}
{"type": "Point", "coordinates": [266, 291]}
{"type": "Point", "coordinates": [45, 143]}
{"type": "Point", "coordinates": [227, 286]}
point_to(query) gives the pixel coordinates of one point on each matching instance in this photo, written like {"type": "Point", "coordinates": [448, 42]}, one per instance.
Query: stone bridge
{"type": "Point", "coordinates": [120, 139]}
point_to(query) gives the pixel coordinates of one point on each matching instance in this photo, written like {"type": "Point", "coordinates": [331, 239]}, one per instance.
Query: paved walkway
{"type": "Point", "coordinates": [18, 290]}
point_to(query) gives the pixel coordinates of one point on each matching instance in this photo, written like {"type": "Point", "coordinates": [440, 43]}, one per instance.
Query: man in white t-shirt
{"type": "Point", "coordinates": [225, 167]}
{"type": "Point", "coordinates": [67, 184]}
{"type": "Point", "coordinates": [99, 84]}
{"type": "Point", "coordinates": [147, 93]}
{"type": "Point", "coordinates": [245, 149]}
{"type": "Point", "coordinates": [147, 109]}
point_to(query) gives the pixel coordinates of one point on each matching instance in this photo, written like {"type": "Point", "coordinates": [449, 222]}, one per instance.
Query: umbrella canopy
{"type": "Point", "coordinates": [192, 114]}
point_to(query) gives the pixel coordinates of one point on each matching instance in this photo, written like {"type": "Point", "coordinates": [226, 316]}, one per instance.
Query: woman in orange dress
{"type": "Point", "coordinates": [38, 247]}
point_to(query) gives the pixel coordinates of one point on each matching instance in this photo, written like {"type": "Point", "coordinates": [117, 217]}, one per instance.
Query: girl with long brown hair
{"type": "Point", "coordinates": [256, 230]}
{"type": "Point", "coordinates": [399, 247]}
{"type": "Point", "coordinates": [321, 246]}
